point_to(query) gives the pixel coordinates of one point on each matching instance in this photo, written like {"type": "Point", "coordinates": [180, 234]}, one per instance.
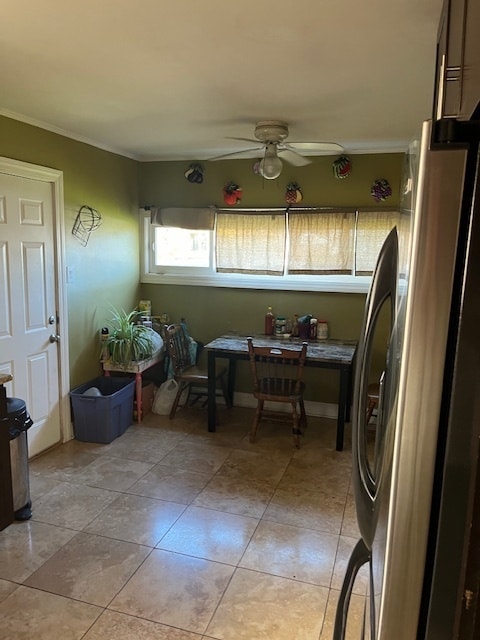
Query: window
{"type": "Point", "coordinates": [296, 249]}
{"type": "Point", "coordinates": [181, 248]}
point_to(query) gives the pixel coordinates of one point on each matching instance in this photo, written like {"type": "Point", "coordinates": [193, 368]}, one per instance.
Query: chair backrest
{"type": "Point", "coordinates": [179, 350]}
{"type": "Point", "coordinates": [280, 364]}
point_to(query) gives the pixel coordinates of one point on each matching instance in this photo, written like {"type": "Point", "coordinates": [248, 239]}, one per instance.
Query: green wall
{"type": "Point", "coordinates": [107, 269]}
{"type": "Point", "coordinates": [213, 311]}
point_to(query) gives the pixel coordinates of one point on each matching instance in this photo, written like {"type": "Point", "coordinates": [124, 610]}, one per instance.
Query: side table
{"type": "Point", "coordinates": [137, 368]}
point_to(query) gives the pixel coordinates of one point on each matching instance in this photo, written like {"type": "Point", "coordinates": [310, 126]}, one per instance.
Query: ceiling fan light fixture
{"type": "Point", "coordinates": [271, 166]}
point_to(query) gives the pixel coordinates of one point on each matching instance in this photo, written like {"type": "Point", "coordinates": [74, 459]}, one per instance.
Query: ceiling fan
{"type": "Point", "coordinates": [272, 134]}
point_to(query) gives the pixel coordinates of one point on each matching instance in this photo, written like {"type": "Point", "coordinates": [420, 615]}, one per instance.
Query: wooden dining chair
{"type": "Point", "coordinates": [277, 377]}
{"type": "Point", "coordinates": [185, 370]}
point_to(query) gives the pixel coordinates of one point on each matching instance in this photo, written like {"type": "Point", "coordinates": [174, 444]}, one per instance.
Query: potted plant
{"type": "Point", "coordinates": [127, 341]}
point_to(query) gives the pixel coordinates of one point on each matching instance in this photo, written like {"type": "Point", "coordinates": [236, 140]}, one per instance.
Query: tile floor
{"type": "Point", "coordinates": [174, 533]}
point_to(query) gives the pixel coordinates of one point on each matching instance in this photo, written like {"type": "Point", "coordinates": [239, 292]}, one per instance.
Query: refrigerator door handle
{"type": "Point", "coordinates": [360, 556]}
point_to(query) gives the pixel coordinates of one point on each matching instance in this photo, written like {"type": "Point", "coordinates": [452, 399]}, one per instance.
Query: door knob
{"type": "Point", "coordinates": [54, 337]}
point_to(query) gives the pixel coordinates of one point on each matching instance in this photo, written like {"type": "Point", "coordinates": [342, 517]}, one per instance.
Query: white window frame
{"type": "Point", "coordinates": [208, 277]}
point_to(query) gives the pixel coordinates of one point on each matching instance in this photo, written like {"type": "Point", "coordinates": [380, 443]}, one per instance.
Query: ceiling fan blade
{"type": "Point", "coordinates": [292, 157]}
{"type": "Point", "coordinates": [316, 148]}
{"type": "Point", "coordinates": [257, 152]}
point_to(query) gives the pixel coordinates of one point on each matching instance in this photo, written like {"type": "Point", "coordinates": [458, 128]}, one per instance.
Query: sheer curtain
{"type": "Point", "coordinates": [372, 229]}
{"type": "Point", "coordinates": [318, 242]}
{"type": "Point", "coordinates": [251, 243]}
{"type": "Point", "coordinates": [321, 242]}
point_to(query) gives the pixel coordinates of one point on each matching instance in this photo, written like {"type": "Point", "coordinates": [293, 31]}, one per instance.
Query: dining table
{"type": "Point", "coordinates": [337, 355]}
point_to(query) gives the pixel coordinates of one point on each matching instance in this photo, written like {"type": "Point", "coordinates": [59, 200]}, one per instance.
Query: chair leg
{"type": "Point", "coordinates": [256, 420]}
{"type": "Point", "coordinates": [303, 416]}
{"type": "Point", "coordinates": [223, 382]}
{"type": "Point", "coordinates": [296, 427]}
{"type": "Point", "coordinates": [370, 407]}
{"type": "Point", "coordinates": [181, 389]}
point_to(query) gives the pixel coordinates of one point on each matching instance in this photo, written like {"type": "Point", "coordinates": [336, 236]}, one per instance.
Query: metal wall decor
{"type": "Point", "coordinates": [87, 220]}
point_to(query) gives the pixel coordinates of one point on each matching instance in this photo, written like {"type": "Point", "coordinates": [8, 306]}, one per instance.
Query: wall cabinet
{"type": "Point", "coordinates": [457, 87]}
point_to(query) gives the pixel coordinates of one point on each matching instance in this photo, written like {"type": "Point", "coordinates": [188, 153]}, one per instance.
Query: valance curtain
{"type": "Point", "coordinates": [251, 243]}
{"type": "Point", "coordinates": [321, 243]}
{"type": "Point", "coordinates": [184, 218]}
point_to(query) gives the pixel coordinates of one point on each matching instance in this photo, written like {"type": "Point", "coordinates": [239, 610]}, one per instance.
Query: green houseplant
{"type": "Point", "coordinates": [128, 341]}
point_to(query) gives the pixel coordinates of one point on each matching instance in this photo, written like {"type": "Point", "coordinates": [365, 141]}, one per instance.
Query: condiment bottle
{"type": "Point", "coordinates": [269, 322]}
{"type": "Point", "coordinates": [280, 326]}
{"type": "Point", "coordinates": [322, 332]}
{"type": "Point", "coordinates": [295, 326]}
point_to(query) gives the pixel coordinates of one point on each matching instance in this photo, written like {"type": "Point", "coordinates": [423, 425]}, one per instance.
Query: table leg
{"type": "Point", "coordinates": [232, 372]}
{"type": "Point", "coordinates": [138, 392]}
{"type": "Point", "coordinates": [211, 391]}
{"type": "Point", "coordinates": [342, 407]}
{"type": "Point", "coordinates": [349, 394]}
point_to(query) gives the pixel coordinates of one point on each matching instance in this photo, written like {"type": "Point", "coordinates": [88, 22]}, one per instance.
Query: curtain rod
{"type": "Point", "coordinates": [280, 209]}
{"type": "Point", "coordinates": [293, 209]}
{"type": "Point", "coordinates": [288, 208]}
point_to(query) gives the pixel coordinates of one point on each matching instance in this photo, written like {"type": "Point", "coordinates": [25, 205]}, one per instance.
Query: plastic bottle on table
{"type": "Point", "coordinates": [269, 322]}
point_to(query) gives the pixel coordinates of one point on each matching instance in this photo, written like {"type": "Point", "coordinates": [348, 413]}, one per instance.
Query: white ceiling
{"type": "Point", "coordinates": [172, 79]}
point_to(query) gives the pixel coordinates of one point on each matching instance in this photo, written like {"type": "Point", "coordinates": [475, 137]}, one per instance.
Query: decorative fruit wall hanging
{"type": "Point", "coordinates": [293, 193]}
{"type": "Point", "coordinates": [194, 173]}
{"type": "Point", "coordinates": [232, 193]}
{"type": "Point", "coordinates": [342, 167]}
{"type": "Point", "coordinates": [381, 190]}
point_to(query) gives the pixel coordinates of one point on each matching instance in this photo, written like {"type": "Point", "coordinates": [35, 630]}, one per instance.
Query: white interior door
{"type": "Point", "coordinates": [31, 309]}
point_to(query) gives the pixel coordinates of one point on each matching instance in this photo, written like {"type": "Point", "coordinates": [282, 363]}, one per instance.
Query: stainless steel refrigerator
{"type": "Point", "coordinates": [415, 475]}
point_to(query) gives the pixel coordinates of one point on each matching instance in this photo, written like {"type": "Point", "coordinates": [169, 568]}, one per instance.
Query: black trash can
{"type": "Point", "coordinates": [18, 422]}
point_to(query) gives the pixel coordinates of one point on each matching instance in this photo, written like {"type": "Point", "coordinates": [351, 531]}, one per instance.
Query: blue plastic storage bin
{"type": "Point", "coordinates": [102, 418]}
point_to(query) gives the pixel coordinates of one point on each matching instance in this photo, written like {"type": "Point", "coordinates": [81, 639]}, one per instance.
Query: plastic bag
{"type": "Point", "coordinates": [164, 397]}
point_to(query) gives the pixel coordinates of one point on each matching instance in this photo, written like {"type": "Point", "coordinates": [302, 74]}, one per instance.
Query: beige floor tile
{"type": "Point", "coordinates": [6, 588]}
{"type": "Point", "coordinates": [253, 465]}
{"type": "Point", "coordinates": [107, 472]}
{"type": "Point", "coordinates": [345, 548]}
{"type": "Point", "coordinates": [136, 519]}
{"type": "Point", "coordinates": [40, 484]}
{"type": "Point", "coordinates": [203, 533]}
{"type": "Point", "coordinates": [175, 590]}
{"type": "Point", "coordinates": [61, 462]}
{"type": "Point", "coordinates": [243, 496]}
{"type": "Point", "coordinates": [72, 505]}
{"type": "Point", "coordinates": [292, 552]}
{"type": "Point", "coordinates": [349, 524]}
{"type": "Point", "coordinates": [261, 606]}
{"type": "Point", "coordinates": [89, 568]}
{"type": "Point", "coordinates": [31, 614]}
{"type": "Point", "coordinates": [118, 626]}
{"type": "Point", "coordinates": [206, 458]}
{"type": "Point", "coordinates": [142, 445]}
{"type": "Point", "coordinates": [169, 483]}
{"type": "Point", "coordinates": [309, 509]}
{"type": "Point", "coordinates": [329, 472]}
{"type": "Point", "coordinates": [354, 620]}
{"type": "Point", "coordinates": [25, 546]}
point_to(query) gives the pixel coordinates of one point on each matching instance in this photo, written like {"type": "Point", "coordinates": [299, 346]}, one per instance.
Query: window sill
{"type": "Point", "coordinates": [327, 284]}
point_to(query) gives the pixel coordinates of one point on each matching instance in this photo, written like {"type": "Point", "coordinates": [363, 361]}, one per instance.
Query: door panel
{"type": "Point", "coordinates": [27, 299]}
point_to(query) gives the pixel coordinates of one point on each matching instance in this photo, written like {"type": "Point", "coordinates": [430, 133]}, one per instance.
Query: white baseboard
{"type": "Point", "coordinates": [316, 409]}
